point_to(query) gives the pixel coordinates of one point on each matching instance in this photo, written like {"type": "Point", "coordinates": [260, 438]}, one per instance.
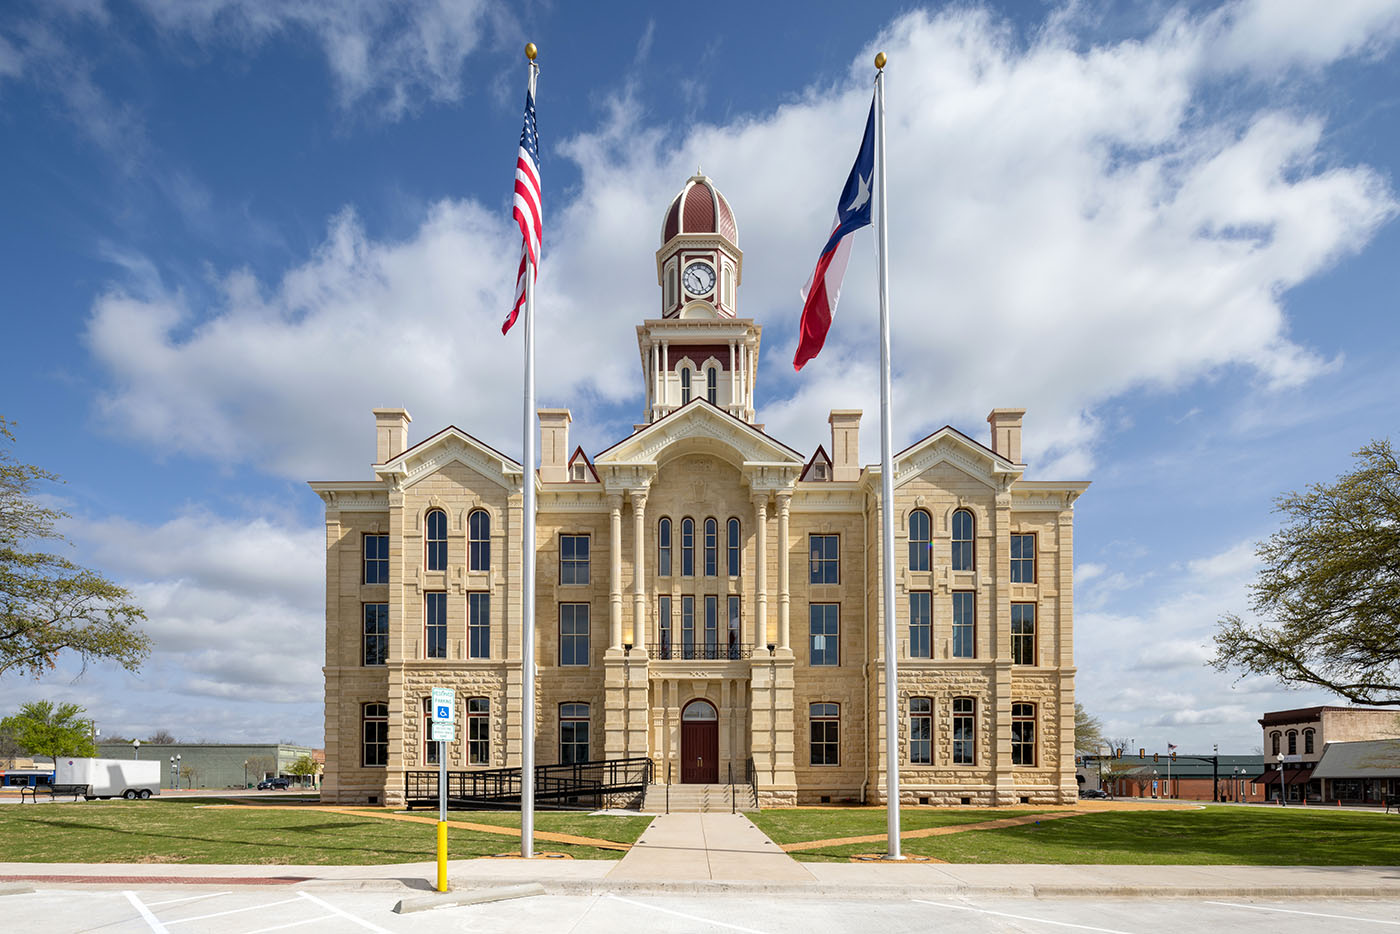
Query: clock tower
{"type": "Point", "coordinates": [699, 348]}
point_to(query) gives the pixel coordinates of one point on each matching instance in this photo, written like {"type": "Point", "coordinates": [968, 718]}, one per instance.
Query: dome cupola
{"type": "Point", "coordinates": [699, 265]}
{"type": "Point", "coordinates": [699, 209]}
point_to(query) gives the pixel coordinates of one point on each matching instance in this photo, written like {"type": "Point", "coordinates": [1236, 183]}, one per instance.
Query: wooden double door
{"type": "Point", "coordinates": [699, 744]}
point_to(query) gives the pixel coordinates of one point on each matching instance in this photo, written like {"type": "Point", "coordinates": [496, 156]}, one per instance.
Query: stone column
{"type": "Point", "coordinates": [760, 624]}
{"type": "Point", "coordinates": [784, 562]}
{"type": "Point", "coordinates": [639, 589]}
{"type": "Point", "coordinates": [615, 563]}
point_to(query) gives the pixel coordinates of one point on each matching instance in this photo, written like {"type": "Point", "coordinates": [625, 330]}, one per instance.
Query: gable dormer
{"type": "Point", "coordinates": [580, 468]}
{"type": "Point", "coordinates": [818, 469]}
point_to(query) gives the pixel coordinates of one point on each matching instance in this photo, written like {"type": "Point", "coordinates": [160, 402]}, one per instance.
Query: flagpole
{"type": "Point", "coordinates": [886, 479]}
{"type": "Point", "coordinates": [527, 560]}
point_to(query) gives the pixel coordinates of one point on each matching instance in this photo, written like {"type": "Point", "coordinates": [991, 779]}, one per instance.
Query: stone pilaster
{"type": "Point", "coordinates": [760, 622]}
{"type": "Point", "coordinates": [784, 569]}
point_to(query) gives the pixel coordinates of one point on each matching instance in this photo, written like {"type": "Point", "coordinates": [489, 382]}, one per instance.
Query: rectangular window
{"type": "Point", "coordinates": [376, 634]}
{"type": "Point", "coordinates": [663, 622]}
{"type": "Point", "coordinates": [826, 734]}
{"type": "Point", "coordinates": [573, 733]}
{"type": "Point", "coordinates": [478, 731]}
{"type": "Point", "coordinates": [375, 721]}
{"type": "Point", "coordinates": [435, 625]}
{"type": "Point", "coordinates": [825, 634]}
{"type": "Point", "coordinates": [376, 559]}
{"type": "Point", "coordinates": [573, 634]}
{"type": "Point", "coordinates": [920, 624]}
{"type": "Point", "coordinates": [826, 564]}
{"type": "Point", "coordinates": [1023, 633]}
{"type": "Point", "coordinates": [964, 624]}
{"type": "Point", "coordinates": [711, 625]}
{"type": "Point", "coordinates": [573, 559]}
{"type": "Point", "coordinates": [663, 548]}
{"type": "Point", "coordinates": [1023, 734]}
{"type": "Point", "coordinates": [920, 731]}
{"type": "Point", "coordinates": [964, 731]}
{"type": "Point", "coordinates": [479, 625]}
{"type": "Point", "coordinates": [734, 603]}
{"type": "Point", "coordinates": [1023, 559]}
{"type": "Point", "coordinates": [687, 627]}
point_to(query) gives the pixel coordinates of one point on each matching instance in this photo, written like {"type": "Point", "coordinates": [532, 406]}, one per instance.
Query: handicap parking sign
{"type": "Point", "coordinates": [444, 712]}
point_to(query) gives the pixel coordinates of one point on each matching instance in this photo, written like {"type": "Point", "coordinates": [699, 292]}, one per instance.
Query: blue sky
{"type": "Point", "coordinates": [230, 228]}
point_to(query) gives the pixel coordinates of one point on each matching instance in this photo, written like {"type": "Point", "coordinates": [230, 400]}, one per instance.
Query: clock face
{"type": "Point", "coordinates": [698, 279]}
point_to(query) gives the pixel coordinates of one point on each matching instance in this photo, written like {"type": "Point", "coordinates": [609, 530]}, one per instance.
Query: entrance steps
{"type": "Point", "coordinates": [699, 798]}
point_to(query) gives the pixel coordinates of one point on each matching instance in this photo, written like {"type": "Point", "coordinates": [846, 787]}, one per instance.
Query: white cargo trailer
{"type": "Point", "coordinates": [110, 778]}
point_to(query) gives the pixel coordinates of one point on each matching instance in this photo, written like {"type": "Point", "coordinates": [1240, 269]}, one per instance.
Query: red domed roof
{"type": "Point", "coordinates": [699, 209]}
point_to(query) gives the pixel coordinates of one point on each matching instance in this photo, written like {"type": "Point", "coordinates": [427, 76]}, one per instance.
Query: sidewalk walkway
{"type": "Point", "coordinates": [709, 846]}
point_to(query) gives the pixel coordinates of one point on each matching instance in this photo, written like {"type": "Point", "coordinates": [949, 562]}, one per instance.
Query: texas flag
{"type": "Point", "coordinates": [823, 290]}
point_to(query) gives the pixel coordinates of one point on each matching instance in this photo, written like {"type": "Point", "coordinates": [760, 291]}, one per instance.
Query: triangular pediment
{"type": "Point", "coordinates": [947, 445]}
{"type": "Point", "coordinates": [450, 445]}
{"type": "Point", "coordinates": [699, 421]}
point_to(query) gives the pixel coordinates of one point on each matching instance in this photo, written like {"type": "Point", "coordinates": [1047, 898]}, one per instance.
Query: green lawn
{"type": "Point", "coordinates": [1211, 836]}
{"type": "Point", "coordinates": [184, 832]}
{"type": "Point", "coordinates": [793, 825]}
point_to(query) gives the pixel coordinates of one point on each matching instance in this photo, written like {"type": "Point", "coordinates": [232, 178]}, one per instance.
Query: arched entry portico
{"type": "Point", "coordinates": [699, 743]}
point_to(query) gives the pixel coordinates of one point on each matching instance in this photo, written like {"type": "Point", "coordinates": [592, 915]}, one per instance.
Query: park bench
{"type": "Point", "coordinates": [76, 791]}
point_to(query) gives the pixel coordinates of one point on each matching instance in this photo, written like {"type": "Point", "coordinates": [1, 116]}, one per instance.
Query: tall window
{"type": "Point", "coordinates": [375, 728]}
{"type": "Point", "coordinates": [920, 540]}
{"type": "Point", "coordinates": [920, 731]}
{"type": "Point", "coordinates": [573, 634]}
{"type": "Point", "coordinates": [962, 540]}
{"type": "Point", "coordinates": [376, 559]}
{"type": "Point", "coordinates": [687, 547]}
{"type": "Point", "coordinates": [826, 734]}
{"type": "Point", "coordinates": [479, 625]}
{"type": "Point", "coordinates": [687, 627]}
{"type": "Point", "coordinates": [478, 731]}
{"type": "Point", "coordinates": [733, 556]}
{"type": "Point", "coordinates": [825, 634]}
{"type": "Point", "coordinates": [663, 623]}
{"type": "Point", "coordinates": [435, 625]}
{"type": "Point", "coordinates": [1023, 734]}
{"type": "Point", "coordinates": [964, 628]}
{"type": "Point", "coordinates": [1292, 742]}
{"type": "Point", "coordinates": [1023, 633]}
{"type": "Point", "coordinates": [920, 624]}
{"type": "Point", "coordinates": [430, 748]}
{"type": "Point", "coordinates": [711, 625]}
{"type": "Point", "coordinates": [573, 559]}
{"type": "Point", "coordinates": [573, 733]}
{"type": "Point", "coordinates": [376, 636]}
{"type": "Point", "coordinates": [711, 548]}
{"type": "Point", "coordinates": [734, 604]}
{"type": "Point", "coordinates": [964, 731]}
{"type": "Point", "coordinates": [712, 386]}
{"type": "Point", "coordinates": [826, 562]}
{"type": "Point", "coordinates": [685, 386]}
{"type": "Point", "coordinates": [1023, 559]}
{"type": "Point", "coordinates": [479, 540]}
{"type": "Point", "coordinates": [1276, 737]}
{"type": "Point", "coordinates": [663, 548]}
{"type": "Point", "coordinates": [436, 557]}
{"type": "Point", "coordinates": [1307, 742]}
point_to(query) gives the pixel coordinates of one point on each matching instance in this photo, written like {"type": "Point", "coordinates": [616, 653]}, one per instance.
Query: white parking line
{"type": "Point", "coordinates": [346, 915]}
{"type": "Point", "coordinates": [1002, 914]}
{"type": "Point", "coordinates": [291, 924]}
{"type": "Point", "coordinates": [187, 898]}
{"type": "Point", "coordinates": [681, 914]}
{"type": "Point", "coordinates": [1315, 914]}
{"type": "Point", "coordinates": [231, 911]}
{"type": "Point", "coordinates": [145, 912]}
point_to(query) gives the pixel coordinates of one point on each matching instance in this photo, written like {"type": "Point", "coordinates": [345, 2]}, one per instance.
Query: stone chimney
{"type": "Point", "coordinates": [554, 445]}
{"type": "Point", "coordinates": [1006, 433]}
{"type": "Point", "coordinates": [391, 431]}
{"type": "Point", "coordinates": [845, 444]}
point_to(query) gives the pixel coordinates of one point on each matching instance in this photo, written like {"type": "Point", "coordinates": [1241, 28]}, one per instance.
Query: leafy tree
{"type": "Point", "coordinates": [161, 736]}
{"type": "Point", "coordinates": [1088, 732]}
{"type": "Point", "coordinates": [48, 604]}
{"type": "Point", "coordinates": [1329, 589]}
{"type": "Point", "coordinates": [304, 768]}
{"type": "Point", "coordinates": [45, 730]}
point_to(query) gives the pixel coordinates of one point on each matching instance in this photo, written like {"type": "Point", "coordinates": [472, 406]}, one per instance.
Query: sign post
{"type": "Point", "coordinates": [444, 727]}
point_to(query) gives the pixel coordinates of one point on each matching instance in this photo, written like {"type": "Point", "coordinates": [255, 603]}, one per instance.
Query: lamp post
{"type": "Point", "coordinates": [1235, 782]}
{"type": "Point", "coordinates": [1281, 801]}
{"type": "Point", "coordinates": [1154, 783]}
{"type": "Point", "coordinates": [174, 775]}
{"type": "Point", "coordinates": [135, 749]}
{"type": "Point", "coordinates": [245, 773]}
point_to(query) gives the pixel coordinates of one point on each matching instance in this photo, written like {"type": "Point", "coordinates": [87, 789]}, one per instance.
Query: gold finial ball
{"type": "Point", "coordinates": [880, 60]}
{"type": "Point", "coordinates": [531, 51]}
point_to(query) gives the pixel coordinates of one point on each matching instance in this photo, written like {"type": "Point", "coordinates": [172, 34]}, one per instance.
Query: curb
{"type": "Point", "coordinates": [15, 888]}
{"type": "Point", "coordinates": [455, 899]}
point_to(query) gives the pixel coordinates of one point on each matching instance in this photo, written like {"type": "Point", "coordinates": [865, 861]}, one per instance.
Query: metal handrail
{"type": "Point", "coordinates": [668, 788]}
{"type": "Point", "coordinates": [752, 776]}
{"type": "Point", "coordinates": [732, 806]}
{"type": "Point", "coordinates": [557, 782]}
{"type": "Point", "coordinates": [703, 652]}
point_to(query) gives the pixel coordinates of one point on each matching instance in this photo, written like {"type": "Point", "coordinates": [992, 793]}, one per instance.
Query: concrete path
{"type": "Point", "coordinates": [703, 847]}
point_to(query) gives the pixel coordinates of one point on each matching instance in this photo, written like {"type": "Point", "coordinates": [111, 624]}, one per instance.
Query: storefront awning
{"type": "Point", "coordinates": [1290, 777]}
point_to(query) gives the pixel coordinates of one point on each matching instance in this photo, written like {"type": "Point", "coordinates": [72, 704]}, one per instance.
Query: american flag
{"type": "Point", "coordinates": [1171, 746]}
{"type": "Point", "coordinates": [526, 207]}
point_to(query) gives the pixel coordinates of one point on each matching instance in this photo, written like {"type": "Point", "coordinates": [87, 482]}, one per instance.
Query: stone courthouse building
{"type": "Point", "coordinates": [706, 595]}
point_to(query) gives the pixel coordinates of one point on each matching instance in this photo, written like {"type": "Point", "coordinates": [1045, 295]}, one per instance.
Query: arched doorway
{"type": "Point", "coordinates": [699, 743]}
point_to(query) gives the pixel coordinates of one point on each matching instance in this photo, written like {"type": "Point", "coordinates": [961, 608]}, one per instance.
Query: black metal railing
{"type": "Point", "coordinates": [732, 805]}
{"type": "Point", "coordinates": [751, 776]}
{"type": "Point", "coordinates": [561, 784]}
{"type": "Point", "coordinates": [668, 788]}
{"type": "Point", "coordinates": [702, 652]}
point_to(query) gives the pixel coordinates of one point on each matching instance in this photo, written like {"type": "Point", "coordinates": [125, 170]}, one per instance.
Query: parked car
{"type": "Point", "coordinates": [1094, 793]}
{"type": "Point", "coordinates": [267, 783]}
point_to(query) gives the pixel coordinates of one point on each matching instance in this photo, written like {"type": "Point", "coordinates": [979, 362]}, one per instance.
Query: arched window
{"type": "Point", "coordinates": [479, 540]}
{"type": "Point", "coordinates": [687, 547]}
{"type": "Point", "coordinates": [711, 548]}
{"type": "Point", "coordinates": [962, 540]}
{"type": "Point", "coordinates": [685, 386]}
{"type": "Point", "coordinates": [1275, 739]}
{"type": "Point", "coordinates": [919, 542]}
{"type": "Point", "coordinates": [1307, 742]}
{"type": "Point", "coordinates": [734, 557]}
{"type": "Point", "coordinates": [663, 547]}
{"type": "Point", "coordinates": [436, 557]}
{"type": "Point", "coordinates": [1292, 742]}
{"type": "Point", "coordinates": [712, 386]}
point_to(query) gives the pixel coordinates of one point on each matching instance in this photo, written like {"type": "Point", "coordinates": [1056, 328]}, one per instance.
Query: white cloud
{"type": "Point", "coordinates": [1083, 206]}
{"type": "Point", "coordinates": [1270, 35]}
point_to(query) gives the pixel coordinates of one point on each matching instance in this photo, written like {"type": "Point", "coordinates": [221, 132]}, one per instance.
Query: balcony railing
{"type": "Point", "coordinates": [665, 650]}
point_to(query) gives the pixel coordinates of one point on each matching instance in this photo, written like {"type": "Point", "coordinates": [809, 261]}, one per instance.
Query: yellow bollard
{"type": "Point", "coordinates": [442, 856]}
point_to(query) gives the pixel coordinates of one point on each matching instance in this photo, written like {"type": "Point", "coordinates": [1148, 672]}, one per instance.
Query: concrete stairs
{"type": "Point", "coordinates": [699, 798]}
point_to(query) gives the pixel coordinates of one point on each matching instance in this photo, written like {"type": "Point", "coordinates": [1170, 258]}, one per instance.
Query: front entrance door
{"type": "Point", "coordinates": [699, 744]}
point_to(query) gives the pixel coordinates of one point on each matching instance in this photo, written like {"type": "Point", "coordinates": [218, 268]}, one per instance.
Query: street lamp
{"type": "Point", "coordinates": [1281, 801]}
{"type": "Point", "coordinates": [1154, 783]}
{"type": "Point", "coordinates": [245, 773]}
{"type": "Point", "coordinates": [1235, 782]}
{"type": "Point", "coordinates": [135, 749]}
{"type": "Point", "coordinates": [174, 774]}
